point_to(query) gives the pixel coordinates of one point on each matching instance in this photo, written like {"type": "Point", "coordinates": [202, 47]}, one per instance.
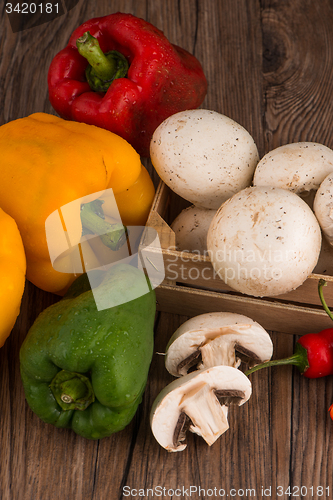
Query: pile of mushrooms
{"type": "Point", "coordinates": [260, 221]}
{"type": "Point", "coordinates": [205, 354]}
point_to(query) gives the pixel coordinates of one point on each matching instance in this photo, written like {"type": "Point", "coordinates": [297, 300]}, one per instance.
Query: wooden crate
{"type": "Point", "coordinates": [191, 287]}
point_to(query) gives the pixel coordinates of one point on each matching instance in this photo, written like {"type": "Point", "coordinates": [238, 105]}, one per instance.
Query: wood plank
{"type": "Point", "coordinates": [287, 317]}
{"type": "Point", "coordinates": [297, 71]}
{"type": "Point", "coordinates": [311, 435]}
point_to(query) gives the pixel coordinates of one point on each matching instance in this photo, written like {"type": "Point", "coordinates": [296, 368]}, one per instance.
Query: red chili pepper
{"type": "Point", "coordinates": [331, 411]}
{"type": "Point", "coordinates": [121, 73]}
{"type": "Point", "coordinates": [313, 354]}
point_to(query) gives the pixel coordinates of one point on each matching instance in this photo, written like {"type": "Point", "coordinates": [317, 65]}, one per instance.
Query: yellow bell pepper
{"type": "Point", "coordinates": [135, 202]}
{"type": "Point", "coordinates": [12, 271]}
{"type": "Point", "coordinates": [48, 162]}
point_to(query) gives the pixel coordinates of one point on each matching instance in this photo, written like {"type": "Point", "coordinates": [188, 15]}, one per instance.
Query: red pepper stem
{"type": "Point", "coordinates": [321, 284]}
{"type": "Point", "coordinates": [298, 359]}
{"type": "Point", "coordinates": [89, 48]}
{"type": "Point", "coordinates": [102, 69]}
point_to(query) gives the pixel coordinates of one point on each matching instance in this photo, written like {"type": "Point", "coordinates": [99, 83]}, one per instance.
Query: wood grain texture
{"type": "Point", "coordinates": [297, 71]}
{"type": "Point", "coordinates": [269, 65]}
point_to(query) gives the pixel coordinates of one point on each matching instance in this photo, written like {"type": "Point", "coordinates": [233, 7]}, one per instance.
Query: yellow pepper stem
{"type": "Point", "coordinates": [92, 218]}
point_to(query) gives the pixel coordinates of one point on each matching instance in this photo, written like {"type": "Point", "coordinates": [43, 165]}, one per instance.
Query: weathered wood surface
{"type": "Point", "coordinates": [269, 64]}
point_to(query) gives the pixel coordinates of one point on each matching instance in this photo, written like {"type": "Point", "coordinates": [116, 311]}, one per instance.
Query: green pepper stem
{"type": "Point", "coordinates": [89, 48]}
{"type": "Point", "coordinates": [321, 284]}
{"type": "Point", "coordinates": [298, 359]}
{"type": "Point", "coordinates": [72, 391]}
{"type": "Point", "coordinates": [102, 68]}
{"type": "Point", "coordinates": [112, 235]}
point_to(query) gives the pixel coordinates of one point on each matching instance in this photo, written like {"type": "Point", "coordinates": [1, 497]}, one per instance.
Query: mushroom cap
{"type": "Point", "coordinates": [299, 167]}
{"type": "Point", "coordinates": [191, 228]}
{"type": "Point", "coordinates": [213, 338]}
{"type": "Point", "coordinates": [200, 400]}
{"type": "Point", "coordinates": [264, 241]}
{"type": "Point", "coordinates": [323, 207]}
{"type": "Point", "coordinates": [203, 156]}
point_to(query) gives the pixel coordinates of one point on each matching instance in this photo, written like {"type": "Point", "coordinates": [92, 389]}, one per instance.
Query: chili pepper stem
{"type": "Point", "coordinates": [321, 284]}
{"type": "Point", "coordinates": [298, 359]}
{"type": "Point", "coordinates": [112, 235]}
{"type": "Point", "coordinates": [89, 48]}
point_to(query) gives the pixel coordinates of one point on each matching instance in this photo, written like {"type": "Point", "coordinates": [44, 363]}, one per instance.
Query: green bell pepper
{"type": "Point", "coordinates": [85, 368]}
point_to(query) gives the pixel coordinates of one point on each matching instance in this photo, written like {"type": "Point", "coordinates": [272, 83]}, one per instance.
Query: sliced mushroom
{"type": "Point", "coordinates": [220, 338]}
{"type": "Point", "coordinates": [197, 402]}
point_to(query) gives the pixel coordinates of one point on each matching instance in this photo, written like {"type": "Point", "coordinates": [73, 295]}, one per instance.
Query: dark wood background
{"type": "Point", "coordinates": [269, 64]}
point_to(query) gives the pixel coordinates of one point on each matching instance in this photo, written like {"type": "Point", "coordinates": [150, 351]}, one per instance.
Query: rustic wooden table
{"type": "Point", "coordinates": [269, 65]}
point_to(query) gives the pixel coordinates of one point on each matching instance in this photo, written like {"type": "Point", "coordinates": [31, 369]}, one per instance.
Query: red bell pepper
{"type": "Point", "coordinates": [313, 354]}
{"type": "Point", "coordinates": [119, 72]}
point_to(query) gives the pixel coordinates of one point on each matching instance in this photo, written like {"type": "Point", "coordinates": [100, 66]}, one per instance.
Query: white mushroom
{"type": "Point", "coordinates": [264, 241]}
{"type": "Point", "coordinates": [203, 156]}
{"type": "Point", "coordinates": [323, 207]}
{"type": "Point", "coordinates": [197, 402]}
{"type": "Point", "coordinates": [218, 338]}
{"type": "Point", "coordinates": [325, 261]}
{"type": "Point", "coordinates": [191, 228]}
{"type": "Point", "coordinates": [299, 167]}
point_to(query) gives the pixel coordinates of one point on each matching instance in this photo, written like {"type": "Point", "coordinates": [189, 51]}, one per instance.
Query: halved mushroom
{"type": "Point", "coordinates": [198, 402]}
{"type": "Point", "coordinates": [220, 338]}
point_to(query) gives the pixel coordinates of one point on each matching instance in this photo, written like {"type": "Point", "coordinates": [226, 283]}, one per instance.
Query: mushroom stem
{"type": "Point", "coordinates": [208, 418]}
